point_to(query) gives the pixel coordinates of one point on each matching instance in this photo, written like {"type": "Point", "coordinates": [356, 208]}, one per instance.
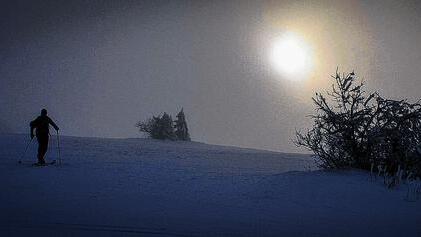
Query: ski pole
{"type": "Point", "coordinates": [26, 148]}
{"type": "Point", "coordinates": [58, 148]}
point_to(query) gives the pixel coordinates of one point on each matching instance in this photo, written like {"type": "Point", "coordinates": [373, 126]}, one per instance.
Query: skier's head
{"type": "Point", "coordinates": [43, 112]}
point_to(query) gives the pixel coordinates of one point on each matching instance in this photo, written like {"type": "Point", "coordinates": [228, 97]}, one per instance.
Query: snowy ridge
{"type": "Point", "coordinates": [142, 187]}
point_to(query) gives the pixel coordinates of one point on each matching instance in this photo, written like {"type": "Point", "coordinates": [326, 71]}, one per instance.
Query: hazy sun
{"type": "Point", "coordinates": [291, 56]}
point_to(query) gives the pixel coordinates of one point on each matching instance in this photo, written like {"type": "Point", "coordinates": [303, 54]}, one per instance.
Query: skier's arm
{"type": "Point", "coordinates": [53, 124]}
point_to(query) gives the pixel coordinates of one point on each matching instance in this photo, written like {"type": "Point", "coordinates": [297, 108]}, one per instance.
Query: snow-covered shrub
{"type": "Point", "coordinates": [356, 129]}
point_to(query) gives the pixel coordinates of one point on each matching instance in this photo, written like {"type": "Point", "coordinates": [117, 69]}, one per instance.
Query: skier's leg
{"type": "Point", "coordinates": [42, 148]}
{"type": "Point", "coordinates": [46, 147]}
{"type": "Point", "coordinates": [39, 155]}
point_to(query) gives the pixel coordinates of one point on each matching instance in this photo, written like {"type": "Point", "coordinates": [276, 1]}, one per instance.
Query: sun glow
{"type": "Point", "coordinates": [291, 56]}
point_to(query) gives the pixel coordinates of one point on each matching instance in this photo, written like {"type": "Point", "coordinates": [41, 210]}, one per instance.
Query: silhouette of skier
{"type": "Point", "coordinates": [42, 124]}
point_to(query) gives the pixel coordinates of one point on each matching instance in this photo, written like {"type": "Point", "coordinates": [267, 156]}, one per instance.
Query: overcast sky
{"type": "Point", "coordinates": [100, 66]}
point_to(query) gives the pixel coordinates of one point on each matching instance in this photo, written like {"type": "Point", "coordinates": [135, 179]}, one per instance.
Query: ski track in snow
{"type": "Point", "coordinates": [141, 187]}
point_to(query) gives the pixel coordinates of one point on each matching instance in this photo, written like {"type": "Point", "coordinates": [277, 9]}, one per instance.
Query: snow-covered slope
{"type": "Point", "coordinates": [125, 187]}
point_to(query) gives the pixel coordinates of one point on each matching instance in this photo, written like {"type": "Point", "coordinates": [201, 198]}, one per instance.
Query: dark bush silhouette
{"type": "Point", "coordinates": [397, 136]}
{"type": "Point", "coordinates": [158, 127]}
{"type": "Point", "coordinates": [356, 129]}
{"type": "Point", "coordinates": [163, 128]}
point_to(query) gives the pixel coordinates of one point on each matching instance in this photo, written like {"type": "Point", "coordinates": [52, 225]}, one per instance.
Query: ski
{"type": "Point", "coordinates": [45, 164]}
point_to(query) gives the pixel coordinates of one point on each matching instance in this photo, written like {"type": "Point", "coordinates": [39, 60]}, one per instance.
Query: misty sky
{"type": "Point", "coordinates": [100, 66]}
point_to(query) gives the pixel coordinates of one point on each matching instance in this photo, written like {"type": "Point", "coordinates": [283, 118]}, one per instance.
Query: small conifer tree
{"type": "Point", "coordinates": [181, 130]}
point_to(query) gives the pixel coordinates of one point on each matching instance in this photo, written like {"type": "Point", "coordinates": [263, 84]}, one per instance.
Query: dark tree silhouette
{"type": "Point", "coordinates": [181, 130]}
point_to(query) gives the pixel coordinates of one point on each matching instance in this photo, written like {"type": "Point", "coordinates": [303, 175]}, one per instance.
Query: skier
{"type": "Point", "coordinates": [42, 124]}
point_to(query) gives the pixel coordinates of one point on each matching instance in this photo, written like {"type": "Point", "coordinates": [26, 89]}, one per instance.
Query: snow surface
{"type": "Point", "coordinates": [141, 187]}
